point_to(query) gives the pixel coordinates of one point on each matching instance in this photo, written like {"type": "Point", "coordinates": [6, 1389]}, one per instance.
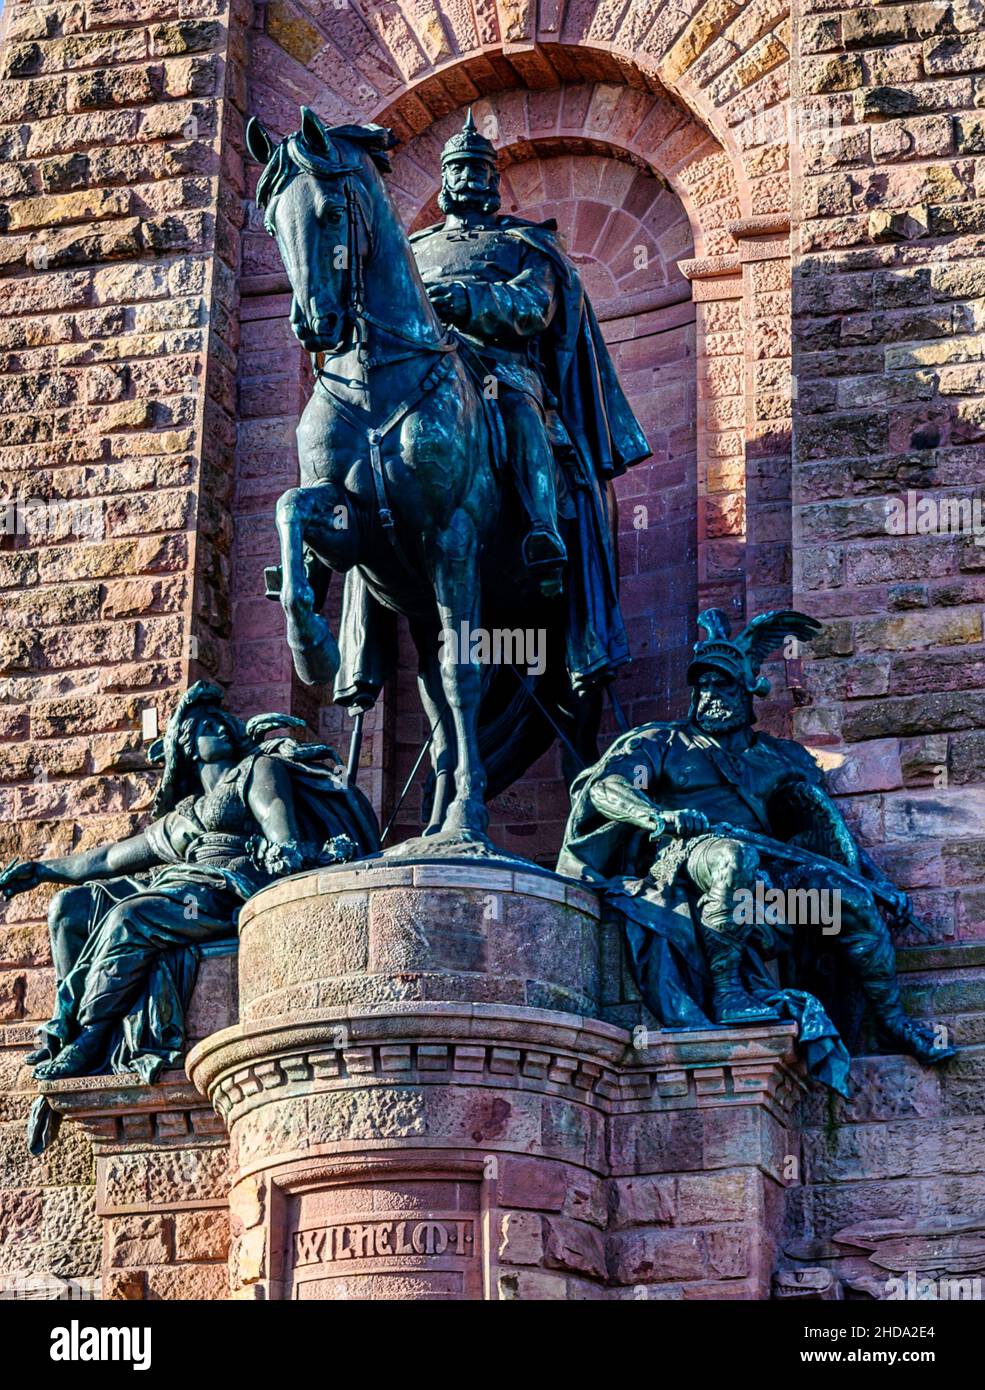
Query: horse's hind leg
{"type": "Point", "coordinates": [456, 588]}
{"type": "Point", "coordinates": [439, 719]}
{"type": "Point", "coordinates": [314, 649]}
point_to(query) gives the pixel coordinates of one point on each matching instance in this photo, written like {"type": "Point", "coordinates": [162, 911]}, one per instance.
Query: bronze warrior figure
{"type": "Point", "coordinates": [678, 823]}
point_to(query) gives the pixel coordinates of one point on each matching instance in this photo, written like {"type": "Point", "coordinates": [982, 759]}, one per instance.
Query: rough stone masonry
{"type": "Point", "coordinates": [780, 214]}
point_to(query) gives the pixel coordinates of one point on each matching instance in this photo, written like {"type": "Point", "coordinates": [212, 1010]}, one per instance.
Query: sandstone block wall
{"type": "Point", "coordinates": [806, 348]}
{"type": "Point", "coordinates": [118, 199]}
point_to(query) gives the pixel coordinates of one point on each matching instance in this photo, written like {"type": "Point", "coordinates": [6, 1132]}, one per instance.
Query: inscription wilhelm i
{"type": "Point", "coordinates": [366, 1240]}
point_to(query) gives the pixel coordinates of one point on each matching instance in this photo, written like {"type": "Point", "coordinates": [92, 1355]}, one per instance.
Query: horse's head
{"type": "Point", "coordinates": [313, 194]}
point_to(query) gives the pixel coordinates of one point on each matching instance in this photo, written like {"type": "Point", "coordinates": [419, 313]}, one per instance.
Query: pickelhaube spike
{"type": "Point", "coordinates": [469, 143]}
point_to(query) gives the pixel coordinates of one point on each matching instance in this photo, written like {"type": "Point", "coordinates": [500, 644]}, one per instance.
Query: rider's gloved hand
{"type": "Point", "coordinates": [686, 822]}
{"type": "Point", "coordinates": [451, 301]}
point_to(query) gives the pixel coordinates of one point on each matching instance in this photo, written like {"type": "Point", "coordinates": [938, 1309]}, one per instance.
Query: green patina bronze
{"type": "Point", "coordinates": [232, 814]}
{"type": "Point", "coordinates": [698, 831]}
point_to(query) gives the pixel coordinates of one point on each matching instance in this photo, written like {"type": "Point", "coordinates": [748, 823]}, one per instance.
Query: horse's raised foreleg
{"type": "Point", "coordinates": [456, 588]}
{"type": "Point", "coordinates": [314, 649]}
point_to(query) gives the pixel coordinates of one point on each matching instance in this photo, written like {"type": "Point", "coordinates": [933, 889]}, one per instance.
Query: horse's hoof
{"type": "Point", "coordinates": [316, 655]}
{"type": "Point", "coordinates": [313, 667]}
{"type": "Point", "coordinates": [469, 819]}
{"type": "Point", "coordinates": [449, 844]}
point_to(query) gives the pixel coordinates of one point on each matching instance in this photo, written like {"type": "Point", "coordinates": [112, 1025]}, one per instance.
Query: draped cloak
{"type": "Point", "coordinates": [190, 906]}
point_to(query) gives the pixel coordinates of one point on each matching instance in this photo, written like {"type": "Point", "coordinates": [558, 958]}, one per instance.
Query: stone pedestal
{"type": "Point", "coordinates": [162, 1163]}
{"type": "Point", "coordinates": [424, 1100]}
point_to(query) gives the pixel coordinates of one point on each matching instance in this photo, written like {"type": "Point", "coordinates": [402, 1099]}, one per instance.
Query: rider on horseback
{"type": "Point", "coordinates": [512, 294]}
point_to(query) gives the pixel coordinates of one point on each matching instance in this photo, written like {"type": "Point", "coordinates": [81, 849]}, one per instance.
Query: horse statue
{"type": "Point", "coordinates": [402, 482]}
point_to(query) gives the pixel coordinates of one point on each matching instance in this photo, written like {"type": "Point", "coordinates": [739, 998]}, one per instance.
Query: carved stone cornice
{"type": "Point", "coordinates": [121, 1111]}
{"type": "Point", "coordinates": [488, 1046]}
{"type": "Point", "coordinates": [710, 267]}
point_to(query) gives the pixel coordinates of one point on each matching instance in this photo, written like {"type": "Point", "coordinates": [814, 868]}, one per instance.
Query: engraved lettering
{"type": "Point", "coordinates": [430, 1238]}
{"type": "Point", "coordinates": [309, 1246]}
{"type": "Point", "coordinates": [427, 1236]}
{"type": "Point", "coordinates": [362, 1241]}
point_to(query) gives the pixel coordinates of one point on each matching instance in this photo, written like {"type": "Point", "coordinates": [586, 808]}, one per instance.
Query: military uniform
{"type": "Point", "coordinates": [518, 306]}
{"type": "Point", "coordinates": [512, 297]}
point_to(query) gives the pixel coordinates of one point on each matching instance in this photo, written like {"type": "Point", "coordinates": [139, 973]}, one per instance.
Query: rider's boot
{"type": "Point", "coordinates": [542, 549]}
{"type": "Point", "coordinates": [544, 558]}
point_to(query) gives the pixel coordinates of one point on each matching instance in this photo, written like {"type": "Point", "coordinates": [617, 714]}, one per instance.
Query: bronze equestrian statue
{"type": "Point", "coordinates": [454, 456]}
{"type": "Point", "coordinates": [678, 824]}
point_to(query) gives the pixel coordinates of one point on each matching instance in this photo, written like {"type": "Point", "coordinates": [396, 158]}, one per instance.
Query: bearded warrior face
{"type": "Point", "coordinates": [720, 703]}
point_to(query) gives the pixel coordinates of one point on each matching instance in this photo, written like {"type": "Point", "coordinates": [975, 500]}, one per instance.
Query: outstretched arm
{"type": "Point", "coordinates": [126, 856]}
{"type": "Point", "coordinates": [618, 799]}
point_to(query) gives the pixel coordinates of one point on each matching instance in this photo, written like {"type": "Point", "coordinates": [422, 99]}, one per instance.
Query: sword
{"type": "Point", "coordinates": [779, 850]}
{"type": "Point", "coordinates": [355, 747]}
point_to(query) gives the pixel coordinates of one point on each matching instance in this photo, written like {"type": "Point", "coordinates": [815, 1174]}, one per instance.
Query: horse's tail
{"type": "Point", "coordinates": [516, 726]}
{"type": "Point", "coordinates": [525, 711]}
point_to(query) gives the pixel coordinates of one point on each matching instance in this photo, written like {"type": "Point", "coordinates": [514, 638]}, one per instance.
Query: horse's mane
{"type": "Point", "coordinates": [294, 154]}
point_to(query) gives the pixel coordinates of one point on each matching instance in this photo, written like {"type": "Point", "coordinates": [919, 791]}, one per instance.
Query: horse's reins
{"type": "Point", "coordinates": [360, 316]}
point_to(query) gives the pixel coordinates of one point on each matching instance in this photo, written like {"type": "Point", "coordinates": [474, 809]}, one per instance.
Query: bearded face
{"type": "Point", "coordinates": [720, 703]}
{"type": "Point", "coordinates": [469, 185]}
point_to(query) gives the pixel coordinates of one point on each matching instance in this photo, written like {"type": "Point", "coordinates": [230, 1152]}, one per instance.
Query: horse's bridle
{"type": "Point", "coordinates": [358, 246]}
{"type": "Point", "coordinates": [354, 295]}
